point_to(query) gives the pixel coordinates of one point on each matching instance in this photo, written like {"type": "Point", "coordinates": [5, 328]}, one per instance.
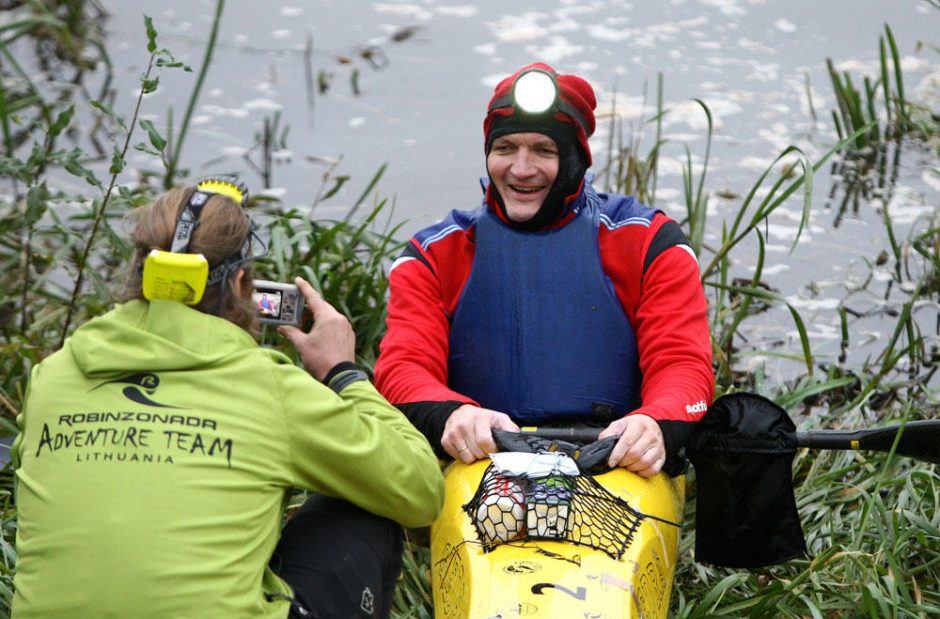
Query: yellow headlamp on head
{"type": "Point", "coordinates": [175, 277]}
{"type": "Point", "coordinates": [178, 275]}
{"type": "Point", "coordinates": [223, 187]}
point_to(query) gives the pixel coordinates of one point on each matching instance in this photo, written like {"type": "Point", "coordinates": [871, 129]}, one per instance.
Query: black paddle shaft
{"type": "Point", "coordinates": [576, 434]}
{"type": "Point", "coordinates": [920, 439]}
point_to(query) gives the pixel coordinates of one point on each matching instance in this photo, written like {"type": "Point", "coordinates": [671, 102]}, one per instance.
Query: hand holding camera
{"type": "Point", "coordinates": [331, 340]}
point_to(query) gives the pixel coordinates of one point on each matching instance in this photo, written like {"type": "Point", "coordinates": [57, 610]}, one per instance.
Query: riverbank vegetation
{"type": "Point", "coordinates": [871, 520]}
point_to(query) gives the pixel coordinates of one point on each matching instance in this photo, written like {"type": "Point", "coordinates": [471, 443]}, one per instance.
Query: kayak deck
{"type": "Point", "coordinates": [550, 578]}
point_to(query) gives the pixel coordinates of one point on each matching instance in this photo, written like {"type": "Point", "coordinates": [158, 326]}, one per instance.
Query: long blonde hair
{"type": "Point", "coordinates": [223, 228]}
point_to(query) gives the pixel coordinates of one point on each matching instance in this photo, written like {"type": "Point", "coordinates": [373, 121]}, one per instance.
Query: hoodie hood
{"type": "Point", "coordinates": [156, 336]}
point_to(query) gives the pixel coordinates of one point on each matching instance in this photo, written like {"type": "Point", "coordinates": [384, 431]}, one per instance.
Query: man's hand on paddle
{"type": "Point", "coordinates": [641, 447]}
{"type": "Point", "coordinates": [468, 433]}
{"type": "Point", "coordinates": [331, 340]}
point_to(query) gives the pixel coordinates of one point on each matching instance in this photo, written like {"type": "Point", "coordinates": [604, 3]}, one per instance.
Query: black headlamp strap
{"type": "Point", "coordinates": [569, 110]}
{"type": "Point", "coordinates": [188, 221]}
{"type": "Point", "coordinates": [560, 106]}
{"type": "Point", "coordinates": [228, 265]}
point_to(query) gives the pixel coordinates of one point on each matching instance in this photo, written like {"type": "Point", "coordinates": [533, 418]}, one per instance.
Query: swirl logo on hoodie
{"type": "Point", "coordinates": [139, 387]}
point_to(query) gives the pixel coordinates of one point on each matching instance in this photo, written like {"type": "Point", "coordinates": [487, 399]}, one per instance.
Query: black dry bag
{"type": "Point", "coordinates": [745, 514]}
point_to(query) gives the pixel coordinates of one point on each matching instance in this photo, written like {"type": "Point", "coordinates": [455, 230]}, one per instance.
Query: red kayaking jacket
{"type": "Point", "coordinates": [653, 272]}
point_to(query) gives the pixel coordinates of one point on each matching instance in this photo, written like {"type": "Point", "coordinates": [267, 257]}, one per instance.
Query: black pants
{"type": "Point", "coordinates": [340, 560]}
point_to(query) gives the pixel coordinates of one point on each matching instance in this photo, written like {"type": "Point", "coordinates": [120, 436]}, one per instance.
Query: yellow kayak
{"type": "Point", "coordinates": [610, 564]}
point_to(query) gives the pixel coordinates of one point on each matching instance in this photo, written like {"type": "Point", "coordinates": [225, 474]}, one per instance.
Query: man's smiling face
{"type": "Point", "coordinates": [523, 166]}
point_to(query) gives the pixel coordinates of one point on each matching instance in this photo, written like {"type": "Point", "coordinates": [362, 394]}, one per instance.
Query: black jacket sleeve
{"type": "Point", "coordinates": [429, 418]}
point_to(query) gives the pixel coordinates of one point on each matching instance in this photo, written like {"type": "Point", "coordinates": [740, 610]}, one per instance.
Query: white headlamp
{"type": "Point", "coordinates": [535, 92]}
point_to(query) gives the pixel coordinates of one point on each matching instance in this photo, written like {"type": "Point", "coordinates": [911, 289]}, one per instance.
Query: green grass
{"type": "Point", "coordinates": [871, 521]}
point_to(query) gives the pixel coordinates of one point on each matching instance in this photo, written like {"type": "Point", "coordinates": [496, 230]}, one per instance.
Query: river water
{"type": "Point", "coordinates": [407, 85]}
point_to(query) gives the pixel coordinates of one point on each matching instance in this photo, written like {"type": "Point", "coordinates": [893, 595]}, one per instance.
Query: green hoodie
{"type": "Point", "coordinates": [155, 456]}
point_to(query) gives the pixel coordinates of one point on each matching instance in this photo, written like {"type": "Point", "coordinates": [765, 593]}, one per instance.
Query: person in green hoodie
{"type": "Point", "coordinates": [158, 449]}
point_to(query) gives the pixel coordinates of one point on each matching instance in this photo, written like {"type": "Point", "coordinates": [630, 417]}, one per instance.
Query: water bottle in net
{"type": "Point", "coordinates": [548, 505]}
{"type": "Point", "coordinates": [500, 509]}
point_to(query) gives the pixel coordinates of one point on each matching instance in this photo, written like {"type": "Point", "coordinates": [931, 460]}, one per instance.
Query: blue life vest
{"type": "Point", "coordinates": [538, 332]}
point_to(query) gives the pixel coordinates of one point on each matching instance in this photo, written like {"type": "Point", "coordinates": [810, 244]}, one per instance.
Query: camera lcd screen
{"type": "Point", "coordinates": [268, 302]}
{"type": "Point", "coordinates": [277, 303]}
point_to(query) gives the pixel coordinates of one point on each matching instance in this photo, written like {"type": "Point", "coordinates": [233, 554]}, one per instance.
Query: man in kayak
{"type": "Point", "coordinates": [159, 447]}
{"type": "Point", "coordinates": [550, 302]}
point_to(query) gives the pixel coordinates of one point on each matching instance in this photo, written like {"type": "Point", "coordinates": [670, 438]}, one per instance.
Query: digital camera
{"type": "Point", "coordinates": [277, 303]}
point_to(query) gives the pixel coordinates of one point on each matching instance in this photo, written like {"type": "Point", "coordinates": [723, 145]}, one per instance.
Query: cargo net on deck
{"type": "Point", "coordinates": [576, 509]}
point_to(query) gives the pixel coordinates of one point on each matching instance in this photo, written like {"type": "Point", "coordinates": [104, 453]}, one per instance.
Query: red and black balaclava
{"type": "Point", "coordinates": [569, 123]}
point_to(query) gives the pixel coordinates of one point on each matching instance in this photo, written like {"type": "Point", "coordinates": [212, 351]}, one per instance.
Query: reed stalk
{"type": "Point", "coordinates": [696, 200]}
{"type": "Point", "coordinates": [173, 161]}
{"type": "Point", "coordinates": [102, 205]}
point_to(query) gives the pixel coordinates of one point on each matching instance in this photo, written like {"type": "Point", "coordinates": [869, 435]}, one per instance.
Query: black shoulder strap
{"type": "Point", "coordinates": [669, 235]}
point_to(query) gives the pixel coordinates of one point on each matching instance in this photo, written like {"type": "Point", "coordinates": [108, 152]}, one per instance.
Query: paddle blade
{"type": "Point", "coordinates": [920, 440]}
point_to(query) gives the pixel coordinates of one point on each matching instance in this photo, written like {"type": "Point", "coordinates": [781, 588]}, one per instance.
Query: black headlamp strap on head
{"type": "Point", "coordinates": [228, 265]}
{"type": "Point", "coordinates": [188, 219]}
{"type": "Point", "coordinates": [187, 222]}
